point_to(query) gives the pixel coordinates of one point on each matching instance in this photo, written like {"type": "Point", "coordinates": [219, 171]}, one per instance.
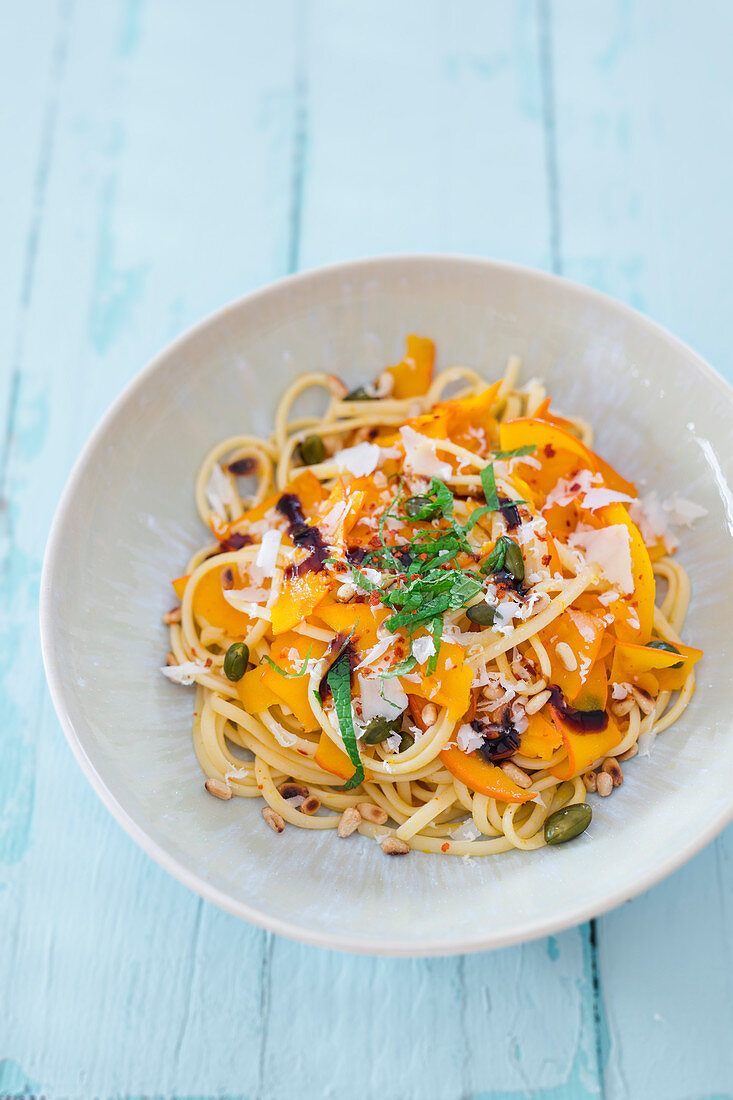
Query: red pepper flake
{"type": "Point", "coordinates": [549, 450]}
{"type": "Point", "coordinates": [260, 787]}
{"type": "Point", "coordinates": [445, 847]}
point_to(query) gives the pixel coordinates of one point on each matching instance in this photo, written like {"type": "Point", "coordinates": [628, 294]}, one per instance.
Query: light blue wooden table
{"type": "Point", "coordinates": [160, 157]}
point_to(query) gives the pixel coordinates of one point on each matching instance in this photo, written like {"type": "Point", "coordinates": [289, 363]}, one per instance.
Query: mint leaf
{"type": "Point", "coordinates": [339, 681]}
{"type": "Point", "coordinates": [529, 449]}
{"type": "Point", "coordinates": [283, 672]}
{"type": "Point", "coordinates": [488, 481]}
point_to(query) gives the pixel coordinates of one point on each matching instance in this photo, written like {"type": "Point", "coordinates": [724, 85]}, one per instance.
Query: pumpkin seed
{"type": "Point", "coordinates": [379, 729]}
{"type": "Point", "coordinates": [312, 450]}
{"type": "Point", "coordinates": [513, 561]}
{"type": "Point", "coordinates": [407, 742]}
{"type": "Point", "coordinates": [481, 613]}
{"type": "Point", "coordinates": [668, 648]}
{"type": "Point", "coordinates": [413, 506]}
{"type": "Point", "coordinates": [236, 661]}
{"type": "Point", "coordinates": [360, 394]}
{"type": "Point", "coordinates": [567, 823]}
{"type": "Point", "coordinates": [495, 561]}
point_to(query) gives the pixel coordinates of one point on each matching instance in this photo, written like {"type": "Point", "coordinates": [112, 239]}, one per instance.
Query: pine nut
{"type": "Point", "coordinates": [170, 659]}
{"type": "Point", "coordinates": [384, 384]}
{"type": "Point", "coordinates": [429, 714]}
{"type": "Point", "coordinates": [612, 767]}
{"type": "Point", "coordinates": [273, 819]}
{"type": "Point", "coordinates": [345, 591]}
{"type": "Point", "coordinates": [172, 616]}
{"type": "Point", "coordinates": [566, 655]}
{"type": "Point", "coordinates": [537, 702]}
{"type": "Point", "coordinates": [372, 813]}
{"type": "Point", "coordinates": [393, 846]}
{"type": "Point", "coordinates": [629, 752]}
{"type": "Point", "coordinates": [590, 779]}
{"type": "Point", "coordinates": [292, 790]}
{"type": "Point", "coordinates": [310, 806]}
{"type": "Point", "coordinates": [492, 692]}
{"type": "Point", "coordinates": [604, 784]}
{"type": "Point", "coordinates": [516, 774]}
{"type": "Point", "coordinates": [645, 701]}
{"type": "Point", "coordinates": [622, 707]}
{"type": "Point", "coordinates": [218, 788]}
{"type": "Point", "coordinates": [336, 387]}
{"type": "Point", "coordinates": [349, 822]}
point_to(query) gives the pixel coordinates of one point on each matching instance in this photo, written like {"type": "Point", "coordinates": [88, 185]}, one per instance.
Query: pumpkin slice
{"type": "Point", "coordinates": [412, 376]}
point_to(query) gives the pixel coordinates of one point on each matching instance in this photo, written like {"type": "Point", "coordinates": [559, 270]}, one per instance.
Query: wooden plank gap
{"type": "Point", "coordinates": [547, 78]}
{"type": "Point", "coordinates": [300, 136]}
{"type": "Point", "coordinates": [265, 999]}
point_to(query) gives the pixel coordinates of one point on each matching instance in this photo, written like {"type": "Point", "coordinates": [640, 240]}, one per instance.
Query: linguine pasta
{"type": "Point", "coordinates": [432, 618]}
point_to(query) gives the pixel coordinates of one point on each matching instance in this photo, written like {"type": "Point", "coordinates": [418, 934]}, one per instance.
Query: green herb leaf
{"type": "Point", "coordinates": [283, 672]}
{"type": "Point", "coordinates": [488, 480]}
{"type": "Point", "coordinates": [495, 561]}
{"type": "Point", "coordinates": [379, 729]}
{"type": "Point", "coordinates": [529, 449]}
{"type": "Point", "coordinates": [402, 668]}
{"type": "Point", "coordinates": [339, 681]}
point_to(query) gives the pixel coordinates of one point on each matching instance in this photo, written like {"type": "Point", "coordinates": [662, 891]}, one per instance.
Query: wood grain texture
{"type": "Point", "coordinates": [169, 156]}
{"type": "Point", "coordinates": [645, 170]}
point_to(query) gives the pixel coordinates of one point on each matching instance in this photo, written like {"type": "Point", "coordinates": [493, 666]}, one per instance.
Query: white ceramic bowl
{"type": "Point", "coordinates": [126, 525]}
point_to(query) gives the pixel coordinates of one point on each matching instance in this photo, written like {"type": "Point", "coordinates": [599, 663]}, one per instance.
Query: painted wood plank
{"type": "Point", "coordinates": [424, 131]}
{"type": "Point", "coordinates": [168, 192]}
{"type": "Point", "coordinates": [646, 176]}
{"type": "Point", "coordinates": [431, 135]}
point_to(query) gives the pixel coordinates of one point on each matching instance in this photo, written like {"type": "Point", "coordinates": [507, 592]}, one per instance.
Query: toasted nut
{"type": "Point", "coordinates": [273, 819]}
{"type": "Point", "coordinates": [345, 591]}
{"type": "Point", "coordinates": [645, 701]}
{"type": "Point", "coordinates": [349, 821]}
{"type": "Point", "coordinates": [172, 616]}
{"type": "Point", "coordinates": [310, 806]}
{"type": "Point", "coordinates": [566, 655]}
{"type": "Point", "coordinates": [372, 813]}
{"type": "Point", "coordinates": [429, 714]}
{"type": "Point", "coordinates": [393, 846]}
{"type": "Point", "coordinates": [218, 788]}
{"type": "Point", "coordinates": [612, 767]}
{"type": "Point", "coordinates": [336, 387]}
{"type": "Point", "coordinates": [492, 692]}
{"type": "Point", "coordinates": [590, 779]}
{"type": "Point", "coordinates": [292, 790]}
{"type": "Point", "coordinates": [516, 774]}
{"type": "Point", "coordinates": [604, 784]}
{"type": "Point", "coordinates": [170, 659]}
{"type": "Point", "coordinates": [622, 707]}
{"type": "Point", "coordinates": [537, 702]}
{"type": "Point", "coordinates": [629, 752]}
{"type": "Point", "coordinates": [384, 384]}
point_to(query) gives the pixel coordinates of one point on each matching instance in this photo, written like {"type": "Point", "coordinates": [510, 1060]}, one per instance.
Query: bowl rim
{"type": "Point", "coordinates": [532, 928]}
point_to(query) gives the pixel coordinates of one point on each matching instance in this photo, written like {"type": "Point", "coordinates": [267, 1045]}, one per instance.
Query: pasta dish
{"type": "Point", "coordinates": [429, 615]}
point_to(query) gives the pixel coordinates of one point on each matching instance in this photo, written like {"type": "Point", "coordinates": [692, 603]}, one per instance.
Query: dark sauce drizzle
{"type": "Point", "coordinates": [510, 513]}
{"type": "Point", "coordinates": [501, 739]}
{"type": "Point", "coordinates": [580, 721]}
{"type": "Point", "coordinates": [303, 536]}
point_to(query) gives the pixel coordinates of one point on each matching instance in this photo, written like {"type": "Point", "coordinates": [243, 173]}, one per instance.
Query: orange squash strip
{"type": "Point", "coordinates": [413, 375]}
{"type": "Point", "coordinates": [333, 759]}
{"type": "Point", "coordinates": [583, 748]}
{"type": "Point", "coordinates": [179, 585]}
{"type": "Point", "coordinates": [482, 777]}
